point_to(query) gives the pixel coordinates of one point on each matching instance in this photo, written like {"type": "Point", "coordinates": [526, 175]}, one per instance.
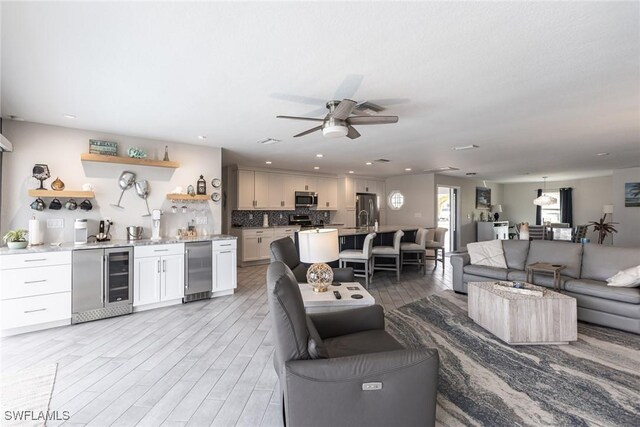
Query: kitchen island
{"type": "Point", "coordinates": [353, 237]}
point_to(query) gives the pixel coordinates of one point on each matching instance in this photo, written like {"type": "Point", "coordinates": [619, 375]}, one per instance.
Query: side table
{"type": "Point", "coordinates": [546, 267]}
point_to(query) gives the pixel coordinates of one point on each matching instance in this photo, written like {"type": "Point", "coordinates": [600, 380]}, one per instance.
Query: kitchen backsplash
{"type": "Point", "coordinates": [254, 218]}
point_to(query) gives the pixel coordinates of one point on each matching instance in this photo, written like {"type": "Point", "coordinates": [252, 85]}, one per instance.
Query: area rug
{"type": "Point", "coordinates": [25, 396]}
{"type": "Point", "coordinates": [483, 381]}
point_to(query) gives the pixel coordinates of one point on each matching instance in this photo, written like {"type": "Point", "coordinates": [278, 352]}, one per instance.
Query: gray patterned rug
{"type": "Point", "coordinates": [483, 381]}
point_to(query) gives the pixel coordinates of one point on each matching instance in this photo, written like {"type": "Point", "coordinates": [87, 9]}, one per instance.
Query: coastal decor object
{"type": "Point", "coordinates": [201, 186]}
{"type": "Point", "coordinates": [16, 239]}
{"type": "Point", "coordinates": [191, 191]}
{"type": "Point", "coordinates": [125, 182]}
{"type": "Point", "coordinates": [603, 228]}
{"type": "Point", "coordinates": [166, 154]}
{"type": "Point", "coordinates": [143, 189]}
{"type": "Point", "coordinates": [57, 185]}
{"type": "Point", "coordinates": [216, 183]}
{"type": "Point", "coordinates": [105, 148]}
{"type": "Point", "coordinates": [41, 173]}
{"type": "Point", "coordinates": [632, 194]}
{"type": "Point", "coordinates": [483, 198]}
{"type": "Point", "coordinates": [215, 196]}
{"type": "Point", "coordinates": [137, 153]}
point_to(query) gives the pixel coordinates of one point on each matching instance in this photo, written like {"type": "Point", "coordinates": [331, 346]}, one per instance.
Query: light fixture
{"type": "Point", "coordinates": [545, 199]}
{"type": "Point", "coordinates": [407, 169]}
{"type": "Point", "coordinates": [465, 147]}
{"type": "Point", "coordinates": [497, 210]}
{"type": "Point", "coordinates": [334, 131]}
{"type": "Point", "coordinates": [368, 163]}
{"type": "Point", "coordinates": [203, 137]}
{"type": "Point", "coordinates": [319, 156]}
{"type": "Point", "coordinates": [318, 247]}
{"type": "Point", "coordinates": [69, 116]}
{"type": "Point", "coordinates": [316, 167]}
{"type": "Point", "coordinates": [268, 141]}
{"type": "Point", "coordinates": [602, 154]}
{"type": "Point", "coordinates": [351, 172]}
{"type": "Point", "coordinates": [268, 162]}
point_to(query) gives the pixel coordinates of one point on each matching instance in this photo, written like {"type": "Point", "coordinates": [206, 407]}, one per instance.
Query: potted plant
{"type": "Point", "coordinates": [603, 228]}
{"type": "Point", "coordinates": [16, 239]}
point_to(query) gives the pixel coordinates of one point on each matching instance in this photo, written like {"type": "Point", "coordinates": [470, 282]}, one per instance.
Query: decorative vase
{"type": "Point", "coordinates": [57, 185]}
{"type": "Point", "coordinates": [320, 277]}
{"type": "Point", "coordinates": [17, 245]}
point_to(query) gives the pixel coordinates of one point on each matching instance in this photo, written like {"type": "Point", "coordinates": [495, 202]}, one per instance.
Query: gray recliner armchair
{"type": "Point", "coordinates": [285, 250]}
{"type": "Point", "coordinates": [342, 368]}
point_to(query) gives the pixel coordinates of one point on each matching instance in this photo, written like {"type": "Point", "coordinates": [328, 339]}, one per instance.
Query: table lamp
{"type": "Point", "coordinates": [497, 210]}
{"type": "Point", "coordinates": [317, 247]}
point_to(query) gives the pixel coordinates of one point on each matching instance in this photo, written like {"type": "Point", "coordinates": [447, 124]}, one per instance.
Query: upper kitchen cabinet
{"type": "Point", "coordinates": [308, 183]}
{"type": "Point", "coordinates": [291, 183]}
{"type": "Point", "coordinates": [261, 190]}
{"type": "Point", "coordinates": [327, 194]}
{"type": "Point", "coordinates": [246, 190]}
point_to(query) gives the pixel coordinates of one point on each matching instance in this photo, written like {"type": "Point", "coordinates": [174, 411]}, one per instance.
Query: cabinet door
{"type": "Point", "coordinates": [250, 248]}
{"type": "Point", "coordinates": [327, 194]}
{"type": "Point", "coordinates": [350, 218]}
{"type": "Point", "coordinates": [350, 193]}
{"type": "Point", "coordinates": [263, 247]}
{"type": "Point", "coordinates": [310, 183]}
{"type": "Point", "coordinates": [261, 190]}
{"type": "Point", "coordinates": [276, 191]}
{"type": "Point", "coordinates": [291, 184]}
{"type": "Point", "coordinates": [146, 280]}
{"type": "Point", "coordinates": [224, 270]}
{"type": "Point", "coordinates": [172, 277]}
{"type": "Point", "coordinates": [360, 186]}
{"type": "Point", "coordinates": [246, 189]}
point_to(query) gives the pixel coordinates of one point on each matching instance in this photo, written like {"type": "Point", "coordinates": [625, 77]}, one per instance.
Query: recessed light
{"type": "Point", "coordinates": [17, 118]}
{"type": "Point", "coordinates": [202, 137]}
{"type": "Point", "coordinates": [69, 116]}
{"type": "Point", "coordinates": [319, 156]}
{"type": "Point", "coordinates": [316, 167]}
{"type": "Point", "coordinates": [603, 154]}
{"type": "Point", "coordinates": [268, 141]}
{"type": "Point", "coordinates": [465, 147]}
{"type": "Point", "coordinates": [407, 169]}
{"type": "Point", "coordinates": [351, 172]}
{"type": "Point", "coordinates": [368, 163]}
{"type": "Point", "coordinates": [470, 173]}
{"type": "Point", "coordinates": [268, 162]}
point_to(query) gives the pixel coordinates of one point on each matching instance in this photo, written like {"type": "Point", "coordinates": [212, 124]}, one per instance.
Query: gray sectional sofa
{"type": "Point", "coordinates": [588, 267]}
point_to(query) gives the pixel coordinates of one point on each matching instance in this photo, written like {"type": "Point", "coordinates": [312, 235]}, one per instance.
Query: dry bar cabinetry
{"type": "Point", "coordinates": [225, 278]}
{"type": "Point", "coordinates": [158, 275]}
{"type": "Point", "coordinates": [495, 230]}
{"type": "Point", "coordinates": [35, 291]}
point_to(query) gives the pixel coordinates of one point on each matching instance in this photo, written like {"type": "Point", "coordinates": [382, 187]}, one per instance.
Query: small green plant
{"type": "Point", "coordinates": [18, 235]}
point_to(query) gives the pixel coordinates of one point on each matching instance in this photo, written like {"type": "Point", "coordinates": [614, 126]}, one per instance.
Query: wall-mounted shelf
{"type": "Point", "coordinates": [87, 157]}
{"type": "Point", "coordinates": [197, 197]}
{"type": "Point", "coordinates": [64, 193]}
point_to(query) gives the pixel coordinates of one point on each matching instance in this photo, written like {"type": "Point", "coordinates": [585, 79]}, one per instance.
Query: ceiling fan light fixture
{"type": "Point", "coordinates": [335, 131]}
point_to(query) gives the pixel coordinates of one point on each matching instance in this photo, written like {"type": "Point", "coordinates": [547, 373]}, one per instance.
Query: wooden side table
{"type": "Point", "coordinates": [545, 267]}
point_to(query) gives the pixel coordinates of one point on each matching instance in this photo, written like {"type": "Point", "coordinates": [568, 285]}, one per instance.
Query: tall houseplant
{"type": "Point", "coordinates": [603, 228]}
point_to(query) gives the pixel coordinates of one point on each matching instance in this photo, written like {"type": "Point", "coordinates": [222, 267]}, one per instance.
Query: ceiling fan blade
{"type": "Point", "coordinates": [367, 107]}
{"type": "Point", "coordinates": [313, 119]}
{"type": "Point", "coordinates": [344, 109]}
{"type": "Point", "coordinates": [298, 99]}
{"type": "Point", "coordinates": [353, 133]}
{"type": "Point", "coordinates": [307, 132]}
{"type": "Point", "coordinates": [349, 86]}
{"type": "Point", "coordinates": [372, 120]}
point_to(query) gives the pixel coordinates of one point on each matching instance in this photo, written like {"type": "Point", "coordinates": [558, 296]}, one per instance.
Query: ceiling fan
{"type": "Point", "coordinates": [339, 121]}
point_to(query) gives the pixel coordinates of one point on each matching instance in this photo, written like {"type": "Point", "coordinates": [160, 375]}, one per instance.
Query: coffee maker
{"type": "Point", "coordinates": [155, 224]}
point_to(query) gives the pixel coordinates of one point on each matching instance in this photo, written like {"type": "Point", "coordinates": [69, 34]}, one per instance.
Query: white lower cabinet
{"type": "Point", "coordinates": [35, 292]}
{"type": "Point", "coordinates": [158, 275]}
{"type": "Point", "coordinates": [225, 278]}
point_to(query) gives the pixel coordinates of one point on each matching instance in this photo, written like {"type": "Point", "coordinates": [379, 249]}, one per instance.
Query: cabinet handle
{"type": "Point", "coordinates": [164, 265]}
{"type": "Point", "coordinates": [34, 260]}
{"type": "Point", "coordinates": [158, 266]}
{"type": "Point", "coordinates": [258, 232]}
{"type": "Point", "coordinates": [226, 252]}
{"type": "Point", "coordinates": [186, 269]}
{"type": "Point", "coordinates": [228, 244]}
{"type": "Point", "coordinates": [33, 311]}
{"type": "Point", "coordinates": [160, 250]}
{"type": "Point", "coordinates": [35, 281]}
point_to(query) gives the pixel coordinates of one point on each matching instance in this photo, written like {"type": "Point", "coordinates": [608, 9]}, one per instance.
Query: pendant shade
{"type": "Point", "coordinates": [545, 200]}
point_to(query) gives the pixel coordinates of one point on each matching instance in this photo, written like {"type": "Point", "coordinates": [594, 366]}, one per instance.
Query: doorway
{"type": "Point", "coordinates": [448, 216]}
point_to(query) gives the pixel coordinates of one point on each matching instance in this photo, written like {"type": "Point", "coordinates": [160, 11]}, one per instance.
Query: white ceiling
{"type": "Point", "coordinates": [540, 87]}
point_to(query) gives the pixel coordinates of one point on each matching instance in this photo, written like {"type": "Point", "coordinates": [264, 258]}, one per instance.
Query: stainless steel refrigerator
{"type": "Point", "coordinates": [366, 209]}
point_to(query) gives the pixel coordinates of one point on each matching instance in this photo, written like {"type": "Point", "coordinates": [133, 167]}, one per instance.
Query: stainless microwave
{"type": "Point", "coordinates": [306, 199]}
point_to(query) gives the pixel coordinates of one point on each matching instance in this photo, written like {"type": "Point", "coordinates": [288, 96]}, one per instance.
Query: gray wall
{"type": "Point", "coordinates": [629, 218]}
{"type": "Point", "coordinates": [419, 200]}
{"type": "Point", "coordinates": [60, 148]}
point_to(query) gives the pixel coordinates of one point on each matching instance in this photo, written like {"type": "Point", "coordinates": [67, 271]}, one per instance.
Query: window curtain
{"type": "Point", "coordinates": [566, 206]}
{"type": "Point", "coordinates": [539, 209]}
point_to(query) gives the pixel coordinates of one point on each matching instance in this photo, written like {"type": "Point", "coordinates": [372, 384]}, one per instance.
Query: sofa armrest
{"type": "Point", "coordinates": [345, 322]}
{"type": "Point", "coordinates": [343, 274]}
{"type": "Point", "coordinates": [458, 261]}
{"type": "Point", "coordinates": [388, 388]}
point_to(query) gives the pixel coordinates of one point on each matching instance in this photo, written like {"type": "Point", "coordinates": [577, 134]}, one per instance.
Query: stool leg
{"type": "Point", "coordinates": [366, 273]}
{"type": "Point", "coordinates": [424, 263]}
{"type": "Point", "coordinates": [398, 267]}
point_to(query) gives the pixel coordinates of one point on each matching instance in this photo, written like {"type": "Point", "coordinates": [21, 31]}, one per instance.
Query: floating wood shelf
{"type": "Point", "coordinates": [197, 197]}
{"type": "Point", "coordinates": [64, 193]}
{"type": "Point", "coordinates": [87, 157]}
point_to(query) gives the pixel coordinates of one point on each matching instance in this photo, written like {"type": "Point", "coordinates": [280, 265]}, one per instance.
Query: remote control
{"type": "Point", "coordinates": [337, 294]}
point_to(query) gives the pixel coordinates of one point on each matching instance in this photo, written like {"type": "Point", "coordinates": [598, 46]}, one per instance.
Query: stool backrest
{"type": "Point", "coordinates": [396, 240]}
{"type": "Point", "coordinates": [368, 244]}
{"type": "Point", "coordinates": [440, 232]}
{"type": "Point", "coordinates": [421, 237]}
{"type": "Point", "coordinates": [430, 235]}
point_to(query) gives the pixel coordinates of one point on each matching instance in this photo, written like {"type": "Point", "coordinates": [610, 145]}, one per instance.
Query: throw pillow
{"type": "Point", "coordinates": [629, 278]}
{"type": "Point", "coordinates": [488, 253]}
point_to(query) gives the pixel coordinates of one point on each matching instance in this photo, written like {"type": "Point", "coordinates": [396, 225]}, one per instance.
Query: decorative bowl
{"type": "Point", "coordinates": [17, 245]}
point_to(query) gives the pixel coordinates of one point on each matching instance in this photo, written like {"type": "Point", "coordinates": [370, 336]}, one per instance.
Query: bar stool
{"type": "Point", "coordinates": [360, 257]}
{"type": "Point", "coordinates": [437, 245]}
{"type": "Point", "coordinates": [418, 247]}
{"type": "Point", "coordinates": [389, 252]}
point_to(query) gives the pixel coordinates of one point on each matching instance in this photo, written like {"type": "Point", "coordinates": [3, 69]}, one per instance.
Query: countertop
{"type": "Point", "coordinates": [112, 244]}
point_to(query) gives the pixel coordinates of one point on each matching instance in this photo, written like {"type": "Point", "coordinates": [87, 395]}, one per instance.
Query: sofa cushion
{"type": "Point", "coordinates": [485, 271]}
{"type": "Point", "coordinates": [546, 280]}
{"type": "Point", "coordinates": [516, 275]}
{"type": "Point", "coordinates": [566, 253]}
{"type": "Point", "coordinates": [629, 278]}
{"type": "Point", "coordinates": [606, 305]}
{"type": "Point", "coordinates": [488, 253]}
{"type": "Point", "coordinates": [515, 253]}
{"type": "Point", "coordinates": [600, 262]}
{"type": "Point", "coordinates": [600, 289]}
{"type": "Point", "coordinates": [372, 341]}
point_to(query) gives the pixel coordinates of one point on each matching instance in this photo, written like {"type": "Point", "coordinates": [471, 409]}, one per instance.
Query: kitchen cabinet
{"type": "Point", "coordinates": [276, 191]}
{"type": "Point", "coordinates": [36, 291]}
{"type": "Point", "coordinates": [261, 190]}
{"type": "Point", "coordinates": [289, 190]}
{"type": "Point", "coordinates": [224, 266]}
{"type": "Point", "coordinates": [290, 232]}
{"type": "Point", "coordinates": [158, 275]}
{"type": "Point", "coordinates": [246, 190]}
{"type": "Point", "coordinates": [255, 244]}
{"type": "Point", "coordinates": [309, 183]}
{"type": "Point", "coordinates": [327, 194]}
{"type": "Point", "coordinates": [350, 193]}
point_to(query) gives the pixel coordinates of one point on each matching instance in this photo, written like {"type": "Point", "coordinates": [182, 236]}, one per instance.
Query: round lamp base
{"type": "Point", "coordinates": [320, 277]}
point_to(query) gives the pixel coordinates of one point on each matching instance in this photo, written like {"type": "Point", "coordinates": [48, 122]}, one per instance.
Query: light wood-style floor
{"type": "Point", "coordinates": [197, 364]}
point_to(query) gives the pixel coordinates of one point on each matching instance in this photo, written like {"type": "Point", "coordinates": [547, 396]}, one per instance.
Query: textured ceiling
{"type": "Point", "coordinates": [540, 87]}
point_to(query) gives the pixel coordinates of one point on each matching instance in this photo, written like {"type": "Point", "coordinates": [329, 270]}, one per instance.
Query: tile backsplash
{"type": "Point", "coordinates": [242, 218]}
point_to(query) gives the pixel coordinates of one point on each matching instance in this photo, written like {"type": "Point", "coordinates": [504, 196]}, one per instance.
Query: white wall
{"type": "Point", "coordinates": [419, 200]}
{"type": "Point", "coordinates": [629, 218]}
{"type": "Point", "coordinates": [589, 195]}
{"type": "Point", "coordinates": [60, 148]}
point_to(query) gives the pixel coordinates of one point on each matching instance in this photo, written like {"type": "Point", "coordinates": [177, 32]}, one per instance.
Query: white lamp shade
{"type": "Point", "coordinates": [319, 245]}
{"type": "Point", "coordinates": [497, 208]}
{"type": "Point", "coordinates": [607, 209]}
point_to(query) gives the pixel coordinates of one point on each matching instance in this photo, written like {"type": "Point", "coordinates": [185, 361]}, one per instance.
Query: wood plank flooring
{"type": "Point", "coordinates": [197, 364]}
